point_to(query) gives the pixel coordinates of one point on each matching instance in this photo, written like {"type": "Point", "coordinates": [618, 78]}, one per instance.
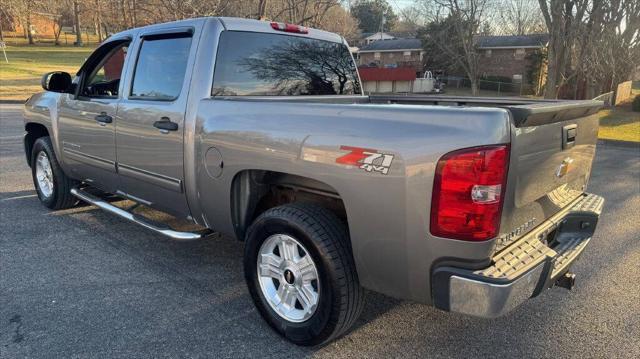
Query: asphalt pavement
{"type": "Point", "coordinates": [82, 283]}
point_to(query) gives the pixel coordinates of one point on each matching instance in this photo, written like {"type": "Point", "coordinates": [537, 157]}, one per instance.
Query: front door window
{"type": "Point", "coordinates": [104, 80]}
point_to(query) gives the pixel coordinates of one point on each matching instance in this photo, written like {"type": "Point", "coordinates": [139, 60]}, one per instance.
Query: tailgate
{"type": "Point", "coordinates": [552, 150]}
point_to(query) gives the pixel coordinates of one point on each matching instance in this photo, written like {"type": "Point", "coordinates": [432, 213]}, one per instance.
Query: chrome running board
{"type": "Point", "coordinates": [100, 203]}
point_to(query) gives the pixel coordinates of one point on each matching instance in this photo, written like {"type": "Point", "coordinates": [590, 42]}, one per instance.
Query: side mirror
{"type": "Point", "coordinates": [57, 81]}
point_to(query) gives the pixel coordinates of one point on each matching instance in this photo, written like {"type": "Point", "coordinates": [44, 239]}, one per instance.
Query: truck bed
{"type": "Point", "coordinates": [538, 144]}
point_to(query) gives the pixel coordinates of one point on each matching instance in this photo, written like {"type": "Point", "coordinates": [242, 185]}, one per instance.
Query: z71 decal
{"type": "Point", "coordinates": [366, 159]}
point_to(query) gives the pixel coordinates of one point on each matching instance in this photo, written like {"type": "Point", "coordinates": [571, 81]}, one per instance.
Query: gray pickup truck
{"type": "Point", "coordinates": [260, 131]}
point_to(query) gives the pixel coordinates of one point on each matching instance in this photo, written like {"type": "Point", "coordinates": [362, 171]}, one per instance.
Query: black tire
{"type": "Point", "coordinates": [61, 196]}
{"type": "Point", "coordinates": [326, 239]}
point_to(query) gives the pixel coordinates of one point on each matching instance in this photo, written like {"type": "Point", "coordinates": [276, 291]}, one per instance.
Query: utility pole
{"type": "Point", "coordinates": [76, 16]}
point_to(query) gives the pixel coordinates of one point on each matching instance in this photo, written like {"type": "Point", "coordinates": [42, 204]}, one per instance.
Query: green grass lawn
{"type": "Point", "coordinates": [20, 78]}
{"type": "Point", "coordinates": [620, 123]}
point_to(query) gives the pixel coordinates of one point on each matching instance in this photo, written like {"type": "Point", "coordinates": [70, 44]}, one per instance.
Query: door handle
{"type": "Point", "coordinates": [165, 125]}
{"type": "Point", "coordinates": [103, 118]}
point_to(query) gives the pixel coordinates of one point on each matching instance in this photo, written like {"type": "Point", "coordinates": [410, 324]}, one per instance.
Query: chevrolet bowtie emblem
{"type": "Point", "coordinates": [564, 167]}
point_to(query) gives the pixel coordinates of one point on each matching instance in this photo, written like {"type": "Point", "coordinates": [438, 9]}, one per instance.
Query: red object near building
{"type": "Point", "coordinates": [387, 74]}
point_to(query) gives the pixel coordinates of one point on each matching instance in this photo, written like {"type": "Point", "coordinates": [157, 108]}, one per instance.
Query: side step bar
{"type": "Point", "coordinates": [98, 202]}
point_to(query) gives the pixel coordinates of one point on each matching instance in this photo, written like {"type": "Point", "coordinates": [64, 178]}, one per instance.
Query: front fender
{"type": "Point", "coordinates": [42, 109]}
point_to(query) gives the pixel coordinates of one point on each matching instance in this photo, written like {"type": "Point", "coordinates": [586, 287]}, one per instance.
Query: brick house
{"type": "Point", "coordinates": [394, 53]}
{"type": "Point", "coordinates": [511, 57]}
{"type": "Point", "coordinates": [42, 24]}
{"type": "Point", "coordinates": [390, 65]}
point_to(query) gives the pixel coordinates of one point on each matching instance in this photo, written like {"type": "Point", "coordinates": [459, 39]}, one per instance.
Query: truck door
{"type": "Point", "coordinates": [150, 128]}
{"type": "Point", "coordinates": [87, 118]}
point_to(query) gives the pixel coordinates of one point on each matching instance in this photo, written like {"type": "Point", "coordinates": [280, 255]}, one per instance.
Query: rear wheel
{"type": "Point", "coordinates": [300, 273]}
{"type": "Point", "coordinates": [52, 185]}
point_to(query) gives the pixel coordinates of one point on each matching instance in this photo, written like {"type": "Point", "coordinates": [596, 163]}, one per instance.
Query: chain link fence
{"type": "Point", "coordinates": [488, 88]}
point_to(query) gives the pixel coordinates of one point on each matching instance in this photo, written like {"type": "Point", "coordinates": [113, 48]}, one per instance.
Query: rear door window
{"type": "Point", "coordinates": [262, 64]}
{"type": "Point", "coordinates": [160, 68]}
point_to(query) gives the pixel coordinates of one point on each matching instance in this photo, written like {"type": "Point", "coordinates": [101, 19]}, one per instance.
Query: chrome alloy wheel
{"type": "Point", "coordinates": [44, 175]}
{"type": "Point", "coordinates": [288, 278]}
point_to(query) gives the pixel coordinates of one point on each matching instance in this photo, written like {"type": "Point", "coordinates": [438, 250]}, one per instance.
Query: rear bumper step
{"type": "Point", "coordinates": [523, 269]}
{"type": "Point", "coordinates": [164, 230]}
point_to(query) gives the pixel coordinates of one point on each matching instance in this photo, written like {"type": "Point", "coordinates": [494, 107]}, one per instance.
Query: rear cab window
{"type": "Point", "coordinates": [263, 64]}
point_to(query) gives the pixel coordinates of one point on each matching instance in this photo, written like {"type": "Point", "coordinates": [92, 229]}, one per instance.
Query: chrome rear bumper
{"type": "Point", "coordinates": [522, 270]}
{"type": "Point", "coordinates": [490, 299]}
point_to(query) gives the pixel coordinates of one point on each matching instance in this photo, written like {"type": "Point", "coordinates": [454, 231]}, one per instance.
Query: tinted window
{"type": "Point", "coordinates": [160, 68]}
{"type": "Point", "coordinates": [103, 80]}
{"type": "Point", "coordinates": [268, 64]}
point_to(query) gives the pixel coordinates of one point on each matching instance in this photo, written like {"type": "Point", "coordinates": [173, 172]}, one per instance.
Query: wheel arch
{"type": "Point", "coordinates": [34, 131]}
{"type": "Point", "coordinates": [255, 191]}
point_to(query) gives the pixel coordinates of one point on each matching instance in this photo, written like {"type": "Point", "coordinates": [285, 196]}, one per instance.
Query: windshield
{"type": "Point", "coordinates": [260, 64]}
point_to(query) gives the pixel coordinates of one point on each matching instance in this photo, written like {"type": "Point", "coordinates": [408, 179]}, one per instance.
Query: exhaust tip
{"type": "Point", "coordinates": [566, 281]}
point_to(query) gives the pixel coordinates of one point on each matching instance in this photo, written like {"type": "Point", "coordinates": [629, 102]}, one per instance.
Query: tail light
{"type": "Point", "coordinates": [468, 193]}
{"type": "Point", "coordinates": [281, 26]}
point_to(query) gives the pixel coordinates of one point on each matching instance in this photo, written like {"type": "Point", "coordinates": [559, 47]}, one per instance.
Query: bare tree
{"type": "Point", "coordinates": [562, 18]}
{"type": "Point", "coordinates": [338, 20]}
{"type": "Point", "coordinates": [411, 18]}
{"type": "Point", "coordinates": [184, 9]}
{"type": "Point", "coordinates": [22, 11]}
{"type": "Point", "coordinates": [3, 15]}
{"type": "Point", "coordinates": [262, 9]}
{"type": "Point", "coordinates": [97, 19]}
{"type": "Point", "coordinates": [56, 11]}
{"type": "Point", "coordinates": [593, 44]}
{"type": "Point", "coordinates": [609, 46]}
{"type": "Point", "coordinates": [454, 34]}
{"type": "Point", "coordinates": [302, 12]}
{"type": "Point", "coordinates": [519, 17]}
{"type": "Point", "coordinates": [111, 16]}
{"type": "Point", "coordinates": [76, 22]}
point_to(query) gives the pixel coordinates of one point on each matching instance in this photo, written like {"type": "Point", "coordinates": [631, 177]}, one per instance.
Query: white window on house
{"type": "Point", "coordinates": [407, 53]}
{"type": "Point", "coordinates": [519, 54]}
{"type": "Point", "coordinates": [487, 53]}
{"type": "Point", "coordinates": [376, 55]}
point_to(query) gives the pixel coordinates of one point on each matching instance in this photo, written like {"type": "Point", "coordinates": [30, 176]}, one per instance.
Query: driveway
{"type": "Point", "coordinates": [84, 283]}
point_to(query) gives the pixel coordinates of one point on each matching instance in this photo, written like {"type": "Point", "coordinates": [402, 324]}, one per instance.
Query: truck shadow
{"type": "Point", "coordinates": [197, 289]}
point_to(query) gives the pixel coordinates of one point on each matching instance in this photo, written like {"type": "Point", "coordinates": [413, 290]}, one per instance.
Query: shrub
{"type": "Point", "coordinates": [635, 105]}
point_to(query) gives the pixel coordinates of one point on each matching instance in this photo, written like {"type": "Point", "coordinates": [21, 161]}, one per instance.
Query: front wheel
{"type": "Point", "coordinates": [300, 273]}
{"type": "Point", "coordinates": [52, 184]}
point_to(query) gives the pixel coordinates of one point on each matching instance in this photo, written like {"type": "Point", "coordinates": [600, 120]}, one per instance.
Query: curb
{"type": "Point", "coordinates": [12, 102]}
{"type": "Point", "coordinates": [619, 143]}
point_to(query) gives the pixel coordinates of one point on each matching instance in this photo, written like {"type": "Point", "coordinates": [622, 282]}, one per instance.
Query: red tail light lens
{"type": "Point", "coordinates": [468, 193]}
{"type": "Point", "coordinates": [281, 26]}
